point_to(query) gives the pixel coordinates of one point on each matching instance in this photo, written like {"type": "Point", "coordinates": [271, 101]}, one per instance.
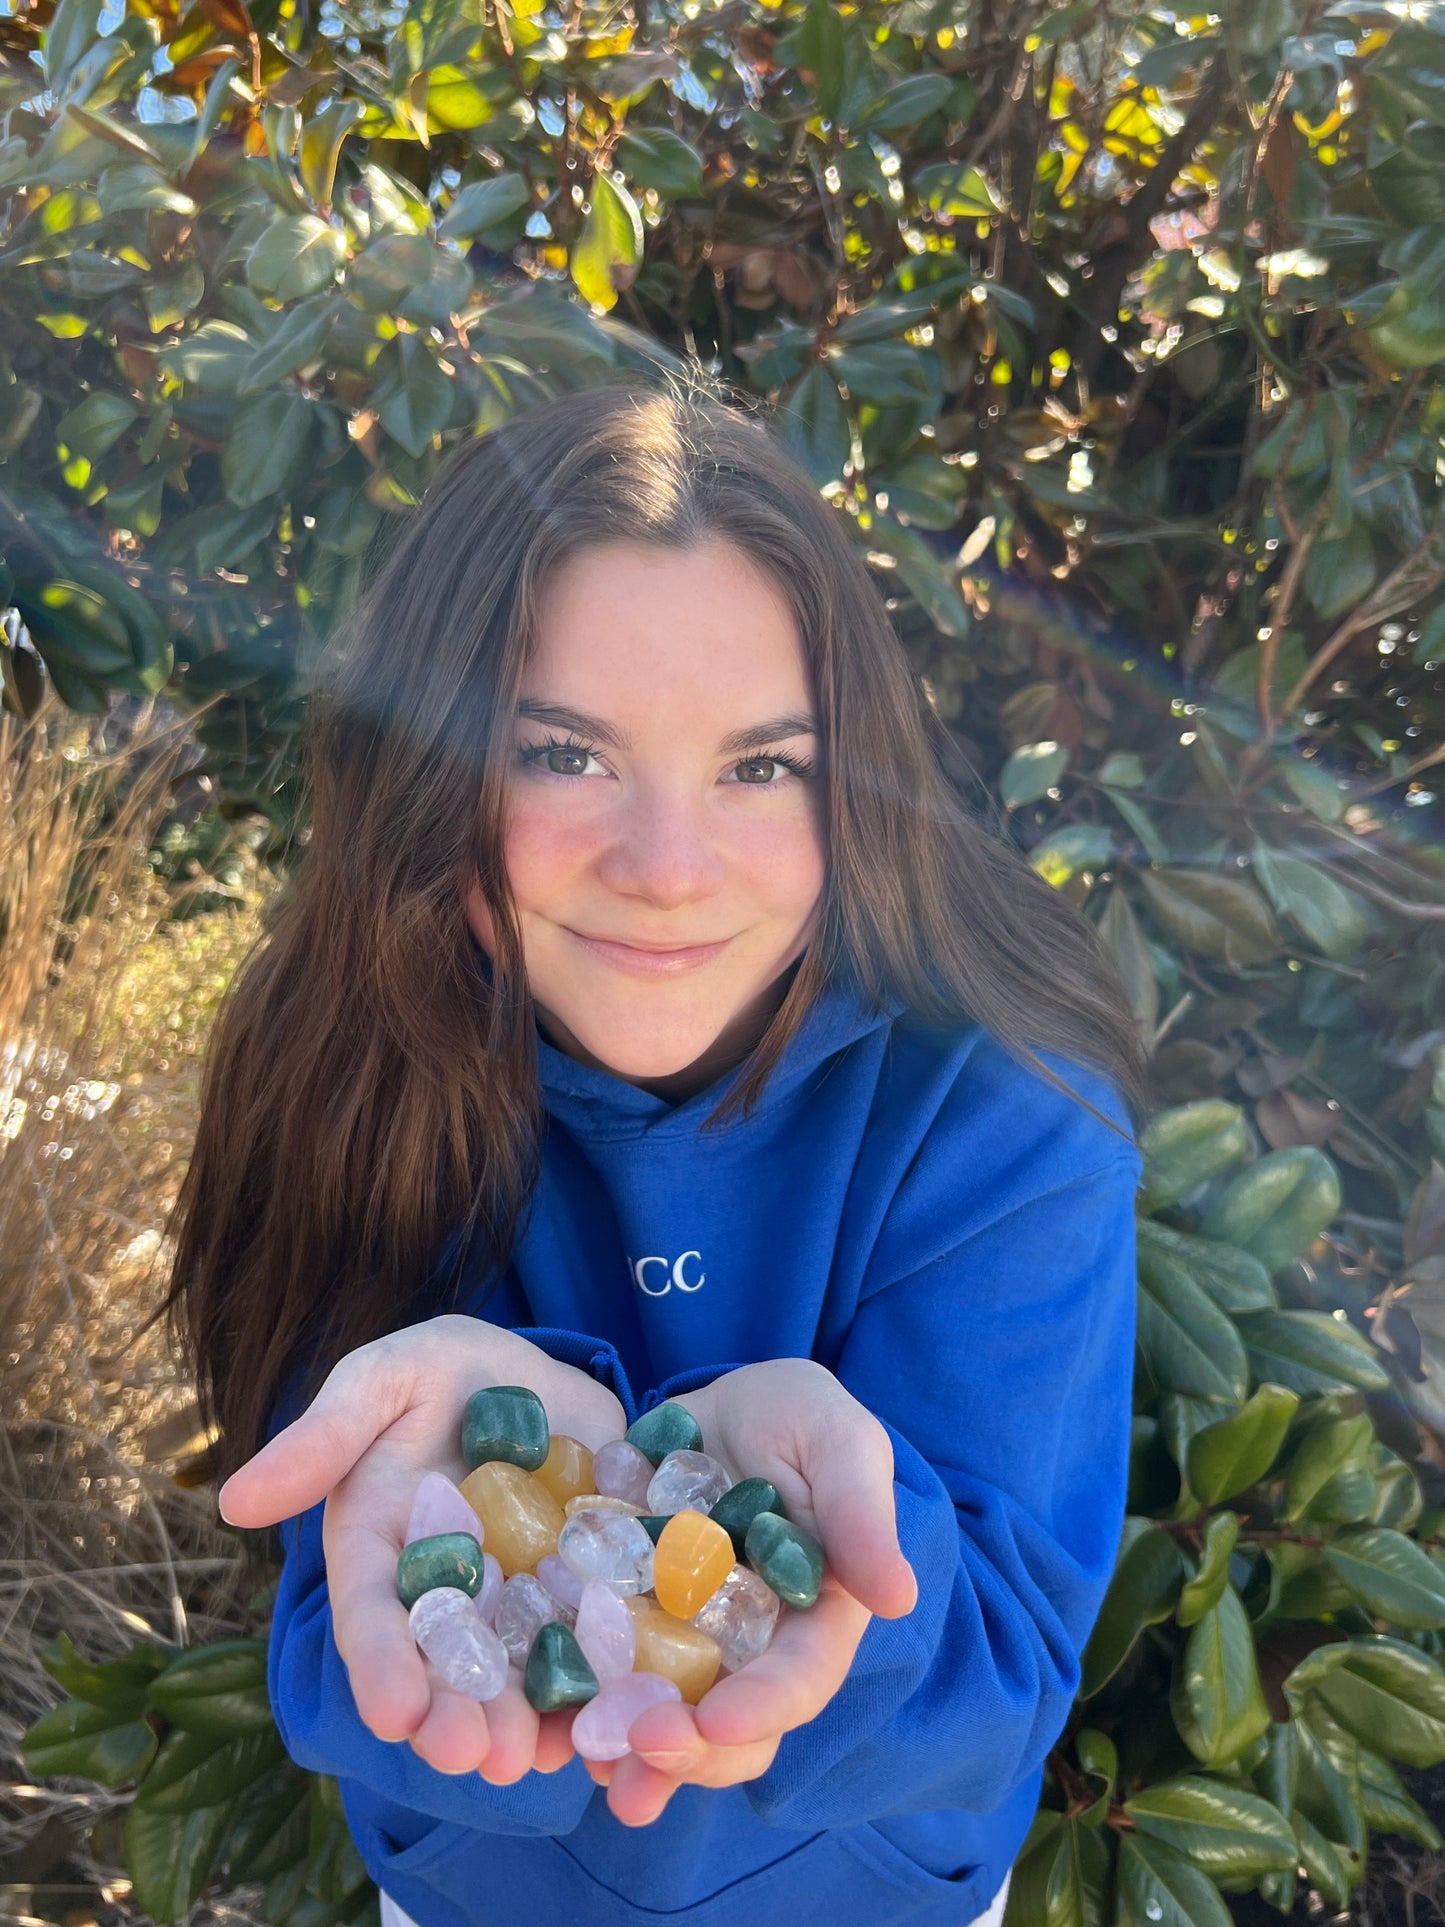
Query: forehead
{"type": "Point", "coordinates": [631, 622]}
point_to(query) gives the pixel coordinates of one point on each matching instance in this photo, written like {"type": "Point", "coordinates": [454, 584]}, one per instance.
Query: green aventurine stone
{"type": "Point", "coordinates": [789, 1559]}
{"type": "Point", "coordinates": [738, 1507]}
{"type": "Point", "coordinates": [505, 1422]}
{"type": "Point", "coordinates": [666, 1428]}
{"type": "Point", "coordinates": [446, 1559]}
{"type": "Point", "coordinates": [652, 1523]}
{"type": "Point", "coordinates": [557, 1673]}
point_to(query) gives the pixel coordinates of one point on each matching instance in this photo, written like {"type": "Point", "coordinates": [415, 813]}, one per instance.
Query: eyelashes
{"type": "Point", "coordinates": [799, 766]}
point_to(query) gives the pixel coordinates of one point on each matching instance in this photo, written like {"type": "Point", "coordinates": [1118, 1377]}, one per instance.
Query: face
{"type": "Point", "coordinates": [660, 799]}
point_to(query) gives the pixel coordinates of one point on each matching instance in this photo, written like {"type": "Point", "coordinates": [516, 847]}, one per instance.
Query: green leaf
{"type": "Point", "coordinates": [1234, 1454]}
{"type": "Point", "coordinates": [1331, 918]}
{"type": "Point", "coordinates": [213, 360]}
{"type": "Point", "coordinates": [905, 104]}
{"type": "Point", "coordinates": [296, 256]}
{"type": "Point", "coordinates": [484, 204]}
{"type": "Point", "coordinates": [1325, 1449]}
{"type": "Point", "coordinates": [607, 252]}
{"type": "Point", "coordinates": [1217, 1701]}
{"type": "Point", "coordinates": [266, 448]}
{"type": "Point", "coordinates": [219, 1689]}
{"type": "Point", "coordinates": [1186, 1342]}
{"type": "Point", "coordinates": [890, 374]}
{"type": "Point", "coordinates": [1234, 1279]}
{"type": "Point", "coordinates": [1159, 1886]}
{"type": "Point", "coordinates": [1186, 1146]}
{"type": "Point", "coordinates": [1390, 1575]}
{"type": "Point", "coordinates": [1314, 786]}
{"type": "Point", "coordinates": [1119, 929]}
{"type": "Point", "coordinates": [1204, 1589]}
{"type": "Point", "coordinates": [1223, 917]}
{"type": "Point", "coordinates": [813, 424]}
{"type": "Point", "coordinates": [658, 158]}
{"type": "Point", "coordinates": [272, 1826]}
{"type": "Point", "coordinates": [89, 1742]}
{"type": "Point", "coordinates": [1321, 1862]}
{"type": "Point", "coordinates": [1388, 1694]}
{"type": "Point", "coordinates": [1278, 1206]}
{"type": "Point", "coordinates": [299, 337]}
{"type": "Point", "coordinates": [74, 29]}
{"type": "Point", "coordinates": [77, 629]}
{"type": "Point", "coordinates": [1309, 1351]}
{"type": "Point", "coordinates": [1226, 1831]}
{"type": "Point", "coordinates": [1328, 1782]}
{"type": "Point", "coordinates": [119, 1684]}
{"type": "Point", "coordinates": [169, 1856]}
{"type": "Point", "coordinates": [1340, 573]}
{"type": "Point", "coordinates": [1388, 1807]}
{"type": "Point", "coordinates": [412, 393]}
{"type": "Point", "coordinates": [96, 424]}
{"type": "Point", "coordinates": [1031, 772]}
{"type": "Point", "coordinates": [959, 192]}
{"type": "Point", "coordinates": [1121, 769]}
{"type": "Point", "coordinates": [198, 1770]}
{"type": "Point", "coordinates": [1143, 1591]}
{"type": "Point", "coordinates": [820, 52]}
{"type": "Point", "coordinates": [1066, 853]}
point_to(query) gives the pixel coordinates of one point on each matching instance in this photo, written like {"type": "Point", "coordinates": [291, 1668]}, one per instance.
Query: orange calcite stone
{"type": "Point", "coordinates": [680, 1652]}
{"type": "Point", "coordinates": [521, 1518]}
{"type": "Point", "coordinates": [598, 1502]}
{"type": "Point", "coordinates": [694, 1556]}
{"type": "Point", "coordinates": [567, 1468]}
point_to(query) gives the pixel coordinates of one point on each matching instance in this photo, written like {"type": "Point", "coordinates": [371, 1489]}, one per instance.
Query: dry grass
{"type": "Point", "coordinates": [106, 1528]}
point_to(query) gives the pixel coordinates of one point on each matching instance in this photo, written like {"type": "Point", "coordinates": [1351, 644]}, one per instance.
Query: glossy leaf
{"type": "Point", "coordinates": [1236, 1452]}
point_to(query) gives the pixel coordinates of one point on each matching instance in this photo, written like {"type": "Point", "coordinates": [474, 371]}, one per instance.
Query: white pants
{"type": "Point", "coordinates": [392, 1915]}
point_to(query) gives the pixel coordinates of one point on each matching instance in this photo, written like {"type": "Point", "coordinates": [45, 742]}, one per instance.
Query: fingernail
{"type": "Point", "coordinates": [669, 1762]}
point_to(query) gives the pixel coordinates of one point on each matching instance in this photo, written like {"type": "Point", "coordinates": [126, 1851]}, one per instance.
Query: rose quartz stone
{"type": "Point", "coordinates": [490, 1590]}
{"type": "Point", "coordinates": [605, 1630]}
{"type": "Point", "coordinates": [563, 1584]}
{"type": "Point", "coordinates": [600, 1730]}
{"type": "Point", "coordinates": [621, 1471]}
{"type": "Point", "coordinates": [440, 1507]}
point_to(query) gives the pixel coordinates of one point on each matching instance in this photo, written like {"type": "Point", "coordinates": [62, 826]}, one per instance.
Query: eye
{"type": "Point", "coordinates": [792, 765]}
{"type": "Point", "coordinates": [558, 758]}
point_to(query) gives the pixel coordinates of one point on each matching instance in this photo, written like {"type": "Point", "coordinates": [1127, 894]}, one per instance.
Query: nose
{"type": "Point", "coordinates": [664, 852]}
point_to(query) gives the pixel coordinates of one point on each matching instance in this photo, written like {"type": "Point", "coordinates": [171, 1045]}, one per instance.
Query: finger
{"type": "Point", "coordinates": [848, 1464]}
{"type": "Point", "coordinates": [455, 1736]}
{"type": "Point", "coordinates": [372, 1631]}
{"type": "Point", "coordinates": [600, 1770]}
{"type": "Point", "coordinates": [513, 1722]}
{"type": "Point", "coordinates": [667, 1737]}
{"type": "Point", "coordinates": [639, 1792]}
{"type": "Point", "coordinates": [554, 1740]}
{"type": "Point", "coordinates": [794, 1679]}
{"type": "Point", "coordinates": [366, 1392]}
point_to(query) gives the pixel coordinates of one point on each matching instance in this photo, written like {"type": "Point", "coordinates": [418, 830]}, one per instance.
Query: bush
{"type": "Point", "coordinates": [1117, 338]}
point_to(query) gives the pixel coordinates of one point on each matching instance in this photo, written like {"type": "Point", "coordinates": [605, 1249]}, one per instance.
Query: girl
{"type": "Point", "coordinates": [647, 987]}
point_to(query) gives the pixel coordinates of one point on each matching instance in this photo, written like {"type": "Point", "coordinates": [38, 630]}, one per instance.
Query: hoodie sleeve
{"type": "Point", "coordinates": [310, 1689]}
{"type": "Point", "coordinates": [1002, 1368]}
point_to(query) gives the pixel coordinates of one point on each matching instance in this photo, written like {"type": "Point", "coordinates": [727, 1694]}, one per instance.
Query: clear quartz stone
{"type": "Point", "coordinates": [563, 1584]}
{"type": "Point", "coordinates": [621, 1471]}
{"type": "Point", "coordinates": [462, 1647]}
{"type": "Point", "coordinates": [687, 1482]}
{"type": "Point", "coordinates": [740, 1616]}
{"type": "Point", "coordinates": [605, 1630]}
{"type": "Point", "coordinates": [599, 1732]}
{"type": "Point", "coordinates": [524, 1606]}
{"type": "Point", "coordinates": [608, 1545]}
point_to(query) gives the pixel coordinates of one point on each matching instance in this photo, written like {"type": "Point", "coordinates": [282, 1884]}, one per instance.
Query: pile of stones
{"type": "Point", "coordinates": [606, 1581]}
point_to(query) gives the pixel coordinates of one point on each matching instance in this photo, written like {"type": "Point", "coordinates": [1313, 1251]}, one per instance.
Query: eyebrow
{"type": "Point", "coordinates": [795, 723]}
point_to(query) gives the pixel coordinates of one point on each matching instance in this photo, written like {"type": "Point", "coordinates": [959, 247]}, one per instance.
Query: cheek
{"type": "Point", "coordinates": [545, 849]}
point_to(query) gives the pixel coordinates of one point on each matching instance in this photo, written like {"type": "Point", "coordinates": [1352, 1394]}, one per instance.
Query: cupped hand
{"type": "Point", "coordinates": [790, 1421]}
{"type": "Point", "coordinates": [387, 1414]}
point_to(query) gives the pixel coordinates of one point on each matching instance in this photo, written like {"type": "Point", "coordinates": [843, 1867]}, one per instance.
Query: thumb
{"type": "Point", "coordinates": [853, 1501]}
{"type": "Point", "coordinates": [309, 1457]}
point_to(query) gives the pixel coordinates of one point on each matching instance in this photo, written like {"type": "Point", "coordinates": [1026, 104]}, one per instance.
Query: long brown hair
{"type": "Point", "coordinates": [368, 1090]}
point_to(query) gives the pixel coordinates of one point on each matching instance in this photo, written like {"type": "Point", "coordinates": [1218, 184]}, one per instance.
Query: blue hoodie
{"type": "Point", "coordinates": [954, 1239]}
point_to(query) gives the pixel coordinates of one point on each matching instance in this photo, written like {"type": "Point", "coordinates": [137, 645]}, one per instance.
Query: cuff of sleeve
{"type": "Point", "coordinates": [595, 1356]}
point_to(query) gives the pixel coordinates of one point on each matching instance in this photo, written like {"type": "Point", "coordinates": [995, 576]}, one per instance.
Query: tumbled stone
{"type": "Point", "coordinates": [605, 1631]}
{"type": "Point", "coordinates": [610, 1546]}
{"type": "Point", "coordinates": [462, 1647]}
{"type": "Point", "coordinates": [447, 1559]}
{"type": "Point", "coordinates": [557, 1672]}
{"type": "Point", "coordinates": [693, 1557]}
{"type": "Point", "coordinates": [740, 1616]}
{"type": "Point", "coordinates": [505, 1423]}
{"type": "Point", "coordinates": [567, 1468]}
{"type": "Point", "coordinates": [490, 1589]}
{"type": "Point", "coordinates": [599, 1732]}
{"type": "Point", "coordinates": [523, 1609]}
{"type": "Point", "coordinates": [599, 1502]}
{"type": "Point", "coordinates": [673, 1647]}
{"type": "Point", "coordinates": [666, 1428]}
{"type": "Point", "coordinates": [741, 1504]}
{"type": "Point", "coordinates": [439, 1507]}
{"type": "Point", "coordinates": [786, 1557]}
{"type": "Point", "coordinates": [622, 1471]}
{"type": "Point", "coordinates": [687, 1482]}
{"type": "Point", "coordinates": [563, 1584]}
{"type": "Point", "coordinates": [521, 1518]}
{"type": "Point", "coordinates": [652, 1523]}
